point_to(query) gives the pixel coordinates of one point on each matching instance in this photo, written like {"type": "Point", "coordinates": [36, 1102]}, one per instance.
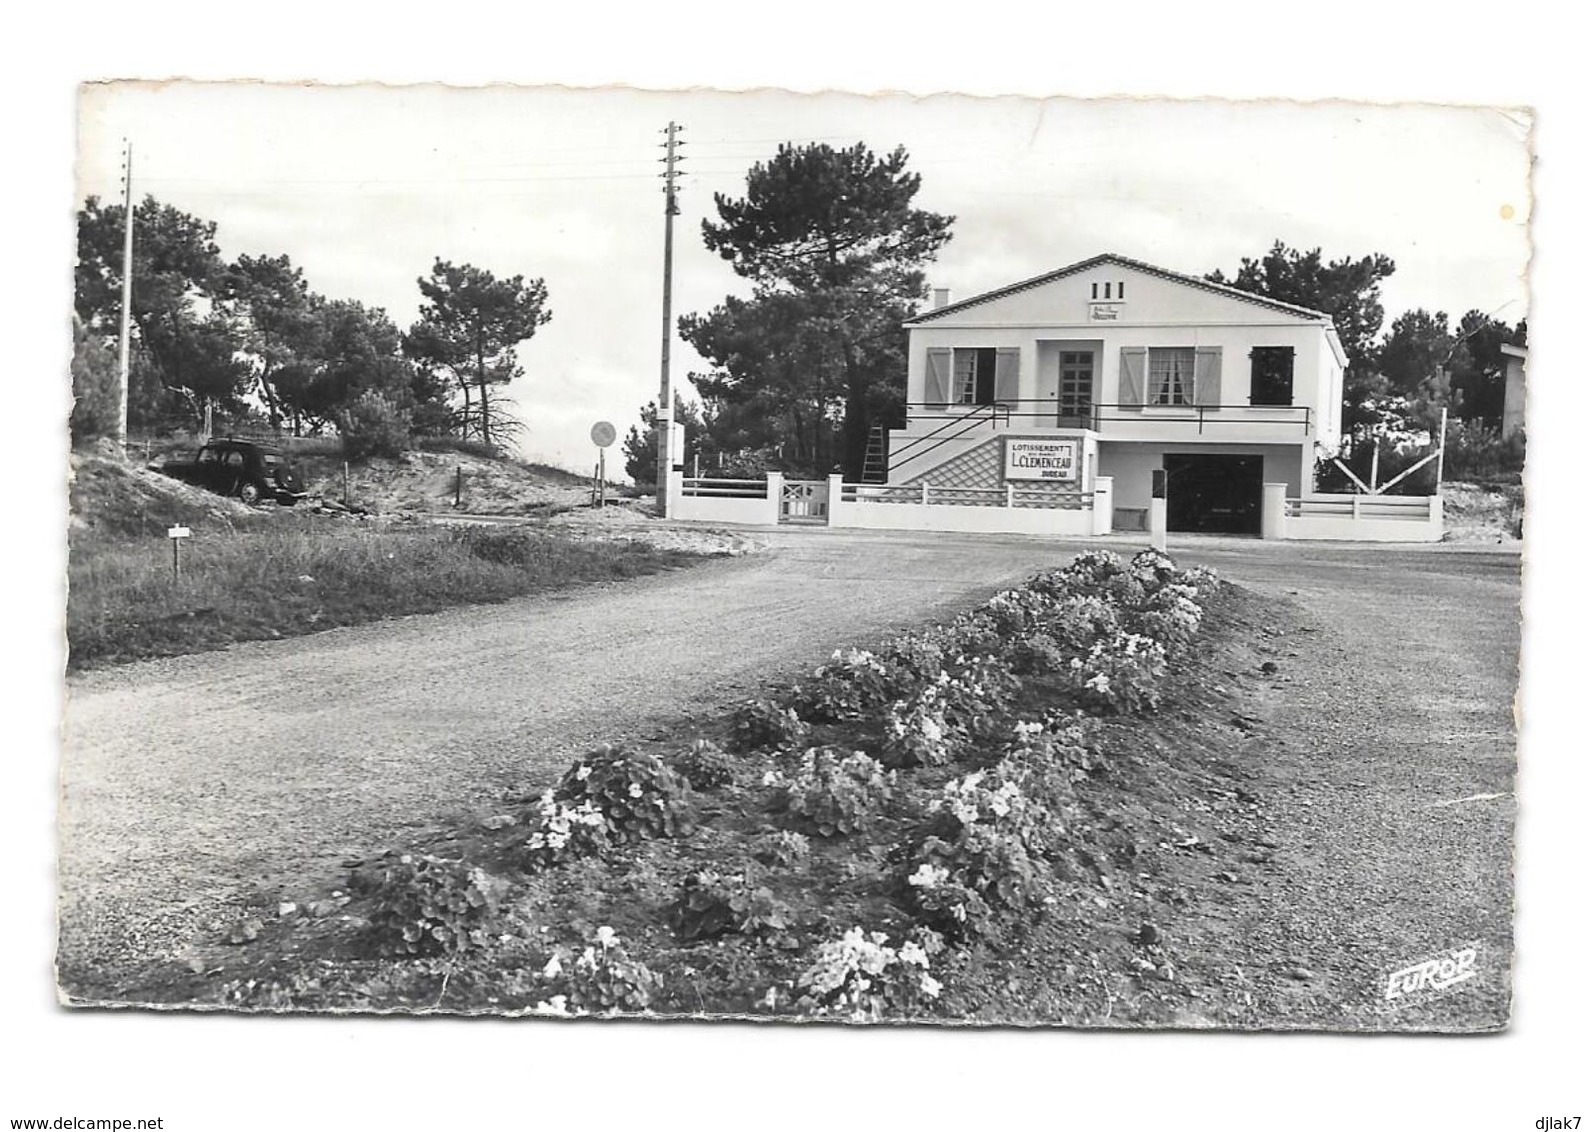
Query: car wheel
{"type": "Point", "coordinates": [249, 493]}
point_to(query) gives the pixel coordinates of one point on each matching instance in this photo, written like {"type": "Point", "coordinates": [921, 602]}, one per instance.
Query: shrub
{"type": "Point", "coordinates": [602, 979]}
{"type": "Point", "coordinates": [1119, 675]}
{"type": "Point", "coordinates": [861, 977]}
{"type": "Point", "coordinates": [763, 725]}
{"type": "Point", "coordinates": [782, 848]}
{"type": "Point", "coordinates": [373, 425]}
{"type": "Point", "coordinates": [638, 795]}
{"type": "Point", "coordinates": [712, 904]}
{"type": "Point", "coordinates": [831, 794]}
{"type": "Point", "coordinates": [424, 905]}
{"type": "Point", "coordinates": [705, 765]}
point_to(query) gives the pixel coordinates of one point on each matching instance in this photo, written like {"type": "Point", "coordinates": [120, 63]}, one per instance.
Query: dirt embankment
{"type": "Point", "coordinates": [447, 482]}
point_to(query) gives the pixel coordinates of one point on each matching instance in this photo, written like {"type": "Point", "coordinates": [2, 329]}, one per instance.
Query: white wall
{"type": "Point", "coordinates": [952, 517]}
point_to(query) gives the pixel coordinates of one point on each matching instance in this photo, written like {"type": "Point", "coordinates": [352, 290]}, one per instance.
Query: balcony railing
{"type": "Point", "coordinates": [1044, 414]}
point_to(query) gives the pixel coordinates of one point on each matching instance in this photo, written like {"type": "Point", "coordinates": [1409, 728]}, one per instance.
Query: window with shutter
{"type": "Point", "coordinates": [1271, 375]}
{"type": "Point", "coordinates": [1171, 375]}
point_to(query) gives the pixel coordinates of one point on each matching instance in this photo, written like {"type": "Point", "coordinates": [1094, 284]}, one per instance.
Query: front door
{"type": "Point", "coordinates": [1213, 494]}
{"type": "Point", "coordinates": [1074, 390]}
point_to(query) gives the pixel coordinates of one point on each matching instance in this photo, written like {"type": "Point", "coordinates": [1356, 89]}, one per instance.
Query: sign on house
{"type": "Point", "coordinates": [1042, 459]}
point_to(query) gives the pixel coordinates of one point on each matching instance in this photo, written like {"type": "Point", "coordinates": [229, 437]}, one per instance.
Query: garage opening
{"type": "Point", "coordinates": [1207, 494]}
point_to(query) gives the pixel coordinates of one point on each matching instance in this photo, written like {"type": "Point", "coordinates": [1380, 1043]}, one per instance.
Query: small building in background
{"type": "Point", "coordinates": [1514, 389]}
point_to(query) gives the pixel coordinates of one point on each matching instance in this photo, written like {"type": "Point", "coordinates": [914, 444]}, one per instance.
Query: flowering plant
{"type": "Point", "coordinates": [853, 682]}
{"type": "Point", "coordinates": [705, 765]}
{"type": "Point", "coordinates": [637, 793]}
{"type": "Point", "coordinates": [829, 793]}
{"type": "Point", "coordinates": [563, 832]}
{"type": "Point", "coordinates": [602, 979]}
{"type": "Point", "coordinates": [423, 905]}
{"type": "Point", "coordinates": [710, 904]}
{"type": "Point", "coordinates": [763, 725]}
{"type": "Point", "coordinates": [1170, 615]}
{"type": "Point", "coordinates": [781, 847]}
{"type": "Point", "coordinates": [1120, 674]}
{"type": "Point", "coordinates": [862, 977]}
{"type": "Point", "coordinates": [975, 857]}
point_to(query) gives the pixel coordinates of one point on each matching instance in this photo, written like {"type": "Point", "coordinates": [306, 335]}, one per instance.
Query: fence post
{"type": "Point", "coordinates": [1354, 506]}
{"type": "Point", "coordinates": [1009, 492]}
{"type": "Point", "coordinates": [776, 491]}
{"type": "Point", "coordinates": [835, 489]}
{"type": "Point", "coordinates": [1273, 510]}
{"type": "Point", "coordinates": [924, 494]}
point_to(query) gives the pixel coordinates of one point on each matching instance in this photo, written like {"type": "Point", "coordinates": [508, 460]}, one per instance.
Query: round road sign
{"type": "Point", "coordinates": [603, 434]}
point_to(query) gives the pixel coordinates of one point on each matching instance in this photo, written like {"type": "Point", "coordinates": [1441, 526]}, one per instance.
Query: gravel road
{"type": "Point", "coordinates": [1388, 786]}
{"type": "Point", "coordinates": [193, 784]}
{"type": "Point", "coordinates": [189, 784]}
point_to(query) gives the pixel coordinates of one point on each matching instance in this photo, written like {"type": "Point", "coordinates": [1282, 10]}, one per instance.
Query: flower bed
{"type": "Point", "coordinates": [838, 849]}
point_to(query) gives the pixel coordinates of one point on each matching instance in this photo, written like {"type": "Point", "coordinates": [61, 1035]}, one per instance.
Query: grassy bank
{"type": "Point", "coordinates": [301, 574]}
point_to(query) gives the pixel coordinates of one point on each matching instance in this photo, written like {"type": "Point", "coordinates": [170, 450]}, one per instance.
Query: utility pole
{"type": "Point", "coordinates": [127, 297]}
{"type": "Point", "coordinates": [665, 421]}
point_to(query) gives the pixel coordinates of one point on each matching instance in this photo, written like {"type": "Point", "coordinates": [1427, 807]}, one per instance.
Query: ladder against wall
{"type": "Point", "coordinates": [876, 457]}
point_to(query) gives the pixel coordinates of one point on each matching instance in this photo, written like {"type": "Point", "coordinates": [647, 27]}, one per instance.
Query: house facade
{"type": "Point", "coordinates": [1116, 368]}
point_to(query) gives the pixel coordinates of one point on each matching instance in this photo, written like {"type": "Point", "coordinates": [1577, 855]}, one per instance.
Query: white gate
{"type": "Point", "coordinates": [804, 501]}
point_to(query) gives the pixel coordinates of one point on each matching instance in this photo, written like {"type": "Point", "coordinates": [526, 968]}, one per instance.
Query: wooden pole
{"type": "Point", "coordinates": [458, 487]}
{"type": "Point", "coordinates": [176, 561]}
{"type": "Point", "coordinates": [665, 423]}
{"type": "Point", "coordinates": [602, 478]}
{"type": "Point", "coordinates": [345, 483]}
{"type": "Point", "coordinates": [124, 353]}
{"type": "Point", "coordinates": [1376, 455]}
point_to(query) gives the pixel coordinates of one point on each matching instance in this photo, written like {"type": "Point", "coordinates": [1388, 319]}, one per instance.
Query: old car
{"type": "Point", "coordinates": [243, 468]}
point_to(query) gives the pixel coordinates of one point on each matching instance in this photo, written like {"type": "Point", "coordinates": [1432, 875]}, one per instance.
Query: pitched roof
{"type": "Point", "coordinates": [1137, 265]}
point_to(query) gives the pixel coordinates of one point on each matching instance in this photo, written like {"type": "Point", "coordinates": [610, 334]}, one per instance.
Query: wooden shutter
{"type": "Point", "coordinates": [1208, 375]}
{"type": "Point", "coordinates": [1131, 392]}
{"type": "Point", "coordinates": [937, 377]}
{"type": "Point", "coordinates": [1006, 363]}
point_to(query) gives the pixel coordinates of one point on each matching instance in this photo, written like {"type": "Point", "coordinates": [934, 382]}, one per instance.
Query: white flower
{"type": "Point", "coordinates": [929, 876]}
{"type": "Point", "coordinates": [557, 1005]}
{"type": "Point", "coordinates": [635, 790]}
{"type": "Point", "coordinates": [929, 985]}
{"type": "Point", "coordinates": [582, 773]}
{"type": "Point", "coordinates": [553, 969]}
{"type": "Point", "coordinates": [606, 937]}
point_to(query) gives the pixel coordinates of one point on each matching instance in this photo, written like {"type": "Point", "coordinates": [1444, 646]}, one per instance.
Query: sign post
{"type": "Point", "coordinates": [176, 535]}
{"type": "Point", "coordinates": [602, 435]}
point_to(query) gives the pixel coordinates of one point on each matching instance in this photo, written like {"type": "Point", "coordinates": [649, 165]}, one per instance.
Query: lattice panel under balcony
{"type": "Point", "coordinates": [977, 467]}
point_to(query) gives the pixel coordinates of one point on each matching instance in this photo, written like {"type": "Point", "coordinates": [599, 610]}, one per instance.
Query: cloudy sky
{"type": "Point", "coordinates": [363, 186]}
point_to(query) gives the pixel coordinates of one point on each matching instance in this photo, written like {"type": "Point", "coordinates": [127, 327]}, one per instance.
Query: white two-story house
{"type": "Point", "coordinates": [1113, 367]}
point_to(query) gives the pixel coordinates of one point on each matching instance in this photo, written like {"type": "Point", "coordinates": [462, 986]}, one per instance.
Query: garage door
{"type": "Point", "coordinates": [1213, 494]}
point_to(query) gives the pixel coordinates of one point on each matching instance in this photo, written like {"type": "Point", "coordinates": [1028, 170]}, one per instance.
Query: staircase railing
{"type": "Point", "coordinates": [959, 426]}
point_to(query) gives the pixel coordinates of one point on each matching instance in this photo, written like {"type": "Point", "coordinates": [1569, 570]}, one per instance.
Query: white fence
{"type": "Point", "coordinates": [1019, 509]}
{"type": "Point", "coordinates": [1352, 518]}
